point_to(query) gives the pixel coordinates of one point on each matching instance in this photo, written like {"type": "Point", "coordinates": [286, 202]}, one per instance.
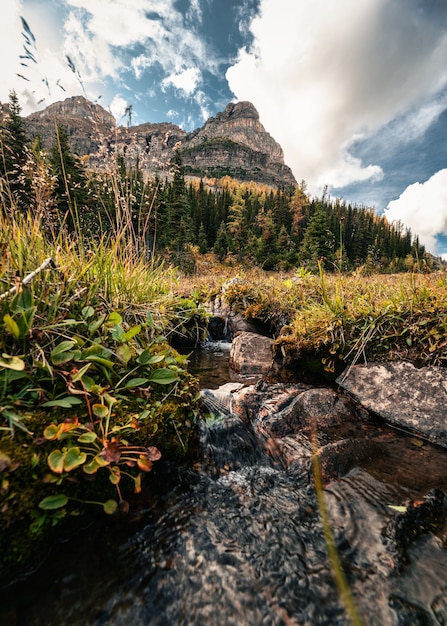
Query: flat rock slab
{"type": "Point", "coordinates": [404, 396]}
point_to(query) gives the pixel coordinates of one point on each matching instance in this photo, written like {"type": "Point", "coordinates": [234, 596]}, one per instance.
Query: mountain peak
{"type": "Point", "coordinates": [242, 109]}
{"type": "Point", "coordinates": [232, 143]}
{"type": "Point", "coordinates": [76, 106]}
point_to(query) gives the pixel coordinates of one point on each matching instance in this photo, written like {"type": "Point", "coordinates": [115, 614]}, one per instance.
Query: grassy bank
{"type": "Point", "coordinates": [327, 321]}
{"type": "Point", "coordinates": [92, 393]}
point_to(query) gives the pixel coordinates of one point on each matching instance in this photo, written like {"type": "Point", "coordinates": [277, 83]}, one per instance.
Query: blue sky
{"type": "Point", "coordinates": [355, 91]}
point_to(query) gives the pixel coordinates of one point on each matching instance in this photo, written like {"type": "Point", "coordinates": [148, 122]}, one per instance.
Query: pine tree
{"type": "Point", "coordinates": [202, 241]}
{"type": "Point", "coordinates": [15, 156]}
{"type": "Point", "coordinates": [71, 181]}
{"type": "Point", "coordinates": [222, 245]}
{"type": "Point", "coordinates": [286, 247]}
{"type": "Point", "coordinates": [180, 223]}
{"type": "Point", "coordinates": [236, 223]}
{"type": "Point", "coordinates": [318, 240]}
{"type": "Point", "coordinates": [266, 242]}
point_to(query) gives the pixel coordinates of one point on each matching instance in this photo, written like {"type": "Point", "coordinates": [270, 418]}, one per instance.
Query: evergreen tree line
{"type": "Point", "coordinates": [177, 219]}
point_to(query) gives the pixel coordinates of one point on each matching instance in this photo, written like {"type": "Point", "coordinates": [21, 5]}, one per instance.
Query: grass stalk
{"type": "Point", "coordinates": [337, 569]}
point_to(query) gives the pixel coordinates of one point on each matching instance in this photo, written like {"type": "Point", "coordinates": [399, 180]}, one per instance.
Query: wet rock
{"type": "Point", "coordinates": [419, 518]}
{"type": "Point", "coordinates": [218, 307]}
{"type": "Point", "coordinates": [251, 355]}
{"type": "Point", "coordinates": [238, 324]}
{"type": "Point", "coordinates": [247, 402]}
{"type": "Point", "coordinates": [231, 321]}
{"type": "Point", "coordinates": [217, 328]}
{"type": "Point", "coordinates": [340, 457]}
{"type": "Point", "coordinates": [319, 409]}
{"type": "Point", "coordinates": [293, 453]}
{"type": "Point", "coordinates": [403, 395]}
{"type": "Point", "coordinates": [225, 323]}
{"type": "Point", "coordinates": [268, 405]}
{"type": "Point", "coordinates": [220, 400]}
{"type": "Point", "coordinates": [292, 419]}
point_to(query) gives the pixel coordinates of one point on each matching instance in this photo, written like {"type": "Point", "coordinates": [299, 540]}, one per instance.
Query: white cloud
{"type": "Point", "coordinates": [35, 70]}
{"type": "Point", "coordinates": [423, 208]}
{"type": "Point", "coordinates": [103, 40]}
{"type": "Point", "coordinates": [194, 12]}
{"type": "Point", "coordinates": [204, 103]}
{"type": "Point", "coordinates": [125, 22]}
{"type": "Point", "coordinates": [119, 107]}
{"type": "Point", "coordinates": [155, 25]}
{"type": "Point", "coordinates": [333, 72]}
{"type": "Point", "coordinates": [90, 53]}
{"type": "Point", "coordinates": [10, 47]}
{"type": "Point", "coordinates": [186, 80]}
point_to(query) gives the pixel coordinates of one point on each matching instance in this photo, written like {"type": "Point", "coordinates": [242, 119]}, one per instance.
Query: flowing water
{"type": "Point", "coordinates": [210, 363]}
{"type": "Point", "coordinates": [239, 540]}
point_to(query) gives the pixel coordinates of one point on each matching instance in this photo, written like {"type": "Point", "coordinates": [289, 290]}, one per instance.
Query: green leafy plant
{"type": "Point", "coordinates": [108, 379]}
{"type": "Point", "coordinates": [91, 447]}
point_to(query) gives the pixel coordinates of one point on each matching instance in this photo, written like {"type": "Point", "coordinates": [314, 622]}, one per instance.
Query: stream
{"type": "Point", "coordinates": [241, 539]}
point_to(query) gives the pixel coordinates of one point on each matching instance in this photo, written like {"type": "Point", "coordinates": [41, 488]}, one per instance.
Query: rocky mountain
{"type": "Point", "coordinates": [233, 143]}
{"type": "Point", "coordinates": [236, 143]}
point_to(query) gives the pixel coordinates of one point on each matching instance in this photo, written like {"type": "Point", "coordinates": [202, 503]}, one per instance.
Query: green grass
{"type": "Point", "coordinates": [343, 318]}
{"type": "Point", "coordinates": [91, 391]}
{"type": "Point", "coordinates": [89, 383]}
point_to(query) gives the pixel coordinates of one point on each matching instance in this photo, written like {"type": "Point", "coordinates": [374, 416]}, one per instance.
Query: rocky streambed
{"type": "Point", "coordinates": [378, 438]}
{"type": "Point", "coordinates": [248, 536]}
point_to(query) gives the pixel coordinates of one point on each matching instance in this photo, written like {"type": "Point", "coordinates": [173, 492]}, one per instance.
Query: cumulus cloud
{"type": "Point", "coordinates": [119, 107]}
{"type": "Point", "coordinates": [156, 27]}
{"type": "Point", "coordinates": [333, 73]}
{"type": "Point", "coordinates": [10, 45]}
{"type": "Point", "coordinates": [153, 33]}
{"type": "Point", "coordinates": [423, 208]}
{"type": "Point", "coordinates": [95, 41]}
{"type": "Point", "coordinates": [125, 22]}
{"type": "Point", "coordinates": [187, 80]}
{"type": "Point", "coordinates": [35, 70]}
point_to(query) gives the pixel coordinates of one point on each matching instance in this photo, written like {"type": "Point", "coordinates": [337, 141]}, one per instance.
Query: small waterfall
{"type": "Point", "coordinates": [210, 363]}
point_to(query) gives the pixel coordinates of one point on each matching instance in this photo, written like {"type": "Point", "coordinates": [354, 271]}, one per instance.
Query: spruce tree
{"type": "Point", "coordinates": [15, 156]}
{"type": "Point", "coordinates": [222, 245]}
{"type": "Point", "coordinates": [236, 223]}
{"type": "Point", "coordinates": [71, 181]}
{"type": "Point", "coordinates": [318, 240]}
{"type": "Point", "coordinates": [180, 223]}
{"type": "Point", "coordinates": [202, 241]}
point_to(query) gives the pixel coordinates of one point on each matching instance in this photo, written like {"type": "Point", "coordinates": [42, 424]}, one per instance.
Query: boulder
{"type": "Point", "coordinates": [238, 324]}
{"type": "Point", "coordinates": [320, 409]}
{"type": "Point", "coordinates": [292, 419]}
{"type": "Point", "coordinates": [251, 355]}
{"type": "Point", "coordinates": [267, 406]}
{"type": "Point", "coordinates": [404, 396]}
{"type": "Point", "coordinates": [224, 323]}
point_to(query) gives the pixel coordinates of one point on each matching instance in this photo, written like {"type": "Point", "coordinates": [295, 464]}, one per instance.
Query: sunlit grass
{"type": "Point", "coordinates": [342, 318]}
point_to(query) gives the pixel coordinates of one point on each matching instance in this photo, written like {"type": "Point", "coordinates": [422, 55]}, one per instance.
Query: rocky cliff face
{"type": "Point", "coordinates": [233, 143]}
{"type": "Point", "coordinates": [236, 143]}
{"type": "Point", "coordinates": [89, 125]}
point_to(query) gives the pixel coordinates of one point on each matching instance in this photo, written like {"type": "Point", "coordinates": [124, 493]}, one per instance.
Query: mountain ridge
{"type": "Point", "coordinates": [232, 143]}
